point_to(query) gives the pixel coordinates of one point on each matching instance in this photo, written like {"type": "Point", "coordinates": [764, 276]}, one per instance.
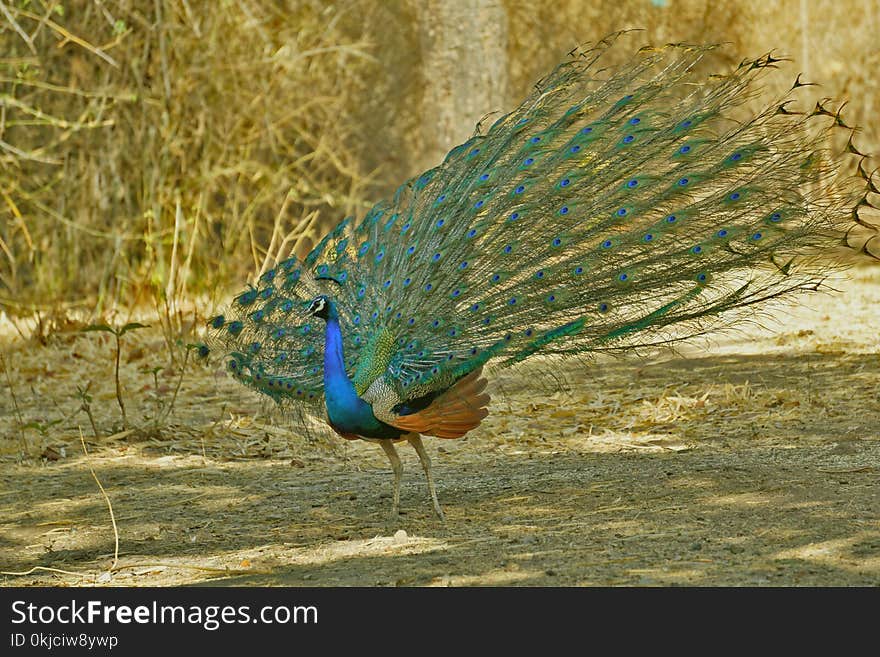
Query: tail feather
{"type": "Point", "coordinates": [614, 208]}
{"type": "Point", "coordinates": [452, 414]}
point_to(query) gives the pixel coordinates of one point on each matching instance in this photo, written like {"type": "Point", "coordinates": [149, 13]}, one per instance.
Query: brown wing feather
{"type": "Point", "coordinates": [454, 413]}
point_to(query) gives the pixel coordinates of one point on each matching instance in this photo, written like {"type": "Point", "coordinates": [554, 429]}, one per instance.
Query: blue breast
{"type": "Point", "coordinates": [347, 412]}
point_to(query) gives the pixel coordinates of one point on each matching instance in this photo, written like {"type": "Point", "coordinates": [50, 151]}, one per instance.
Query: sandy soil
{"type": "Point", "coordinates": [753, 462]}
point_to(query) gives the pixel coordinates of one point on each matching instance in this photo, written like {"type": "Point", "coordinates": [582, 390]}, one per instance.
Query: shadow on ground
{"type": "Point", "coordinates": [730, 470]}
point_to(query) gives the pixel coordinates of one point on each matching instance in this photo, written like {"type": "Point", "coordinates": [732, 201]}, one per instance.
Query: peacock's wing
{"type": "Point", "coordinates": [270, 342]}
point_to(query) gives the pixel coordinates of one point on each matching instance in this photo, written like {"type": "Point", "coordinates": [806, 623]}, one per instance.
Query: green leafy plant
{"type": "Point", "coordinates": [41, 427]}
{"type": "Point", "coordinates": [117, 332]}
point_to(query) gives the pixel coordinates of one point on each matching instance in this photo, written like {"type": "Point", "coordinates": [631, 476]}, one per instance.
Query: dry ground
{"type": "Point", "coordinates": [756, 462]}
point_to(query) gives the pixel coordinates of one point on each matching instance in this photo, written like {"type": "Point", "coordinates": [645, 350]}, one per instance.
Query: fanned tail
{"type": "Point", "coordinates": [615, 208]}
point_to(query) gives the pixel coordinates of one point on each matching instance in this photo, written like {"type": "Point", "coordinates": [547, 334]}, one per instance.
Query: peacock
{"type": "Point", "coordinates": [617, 208]}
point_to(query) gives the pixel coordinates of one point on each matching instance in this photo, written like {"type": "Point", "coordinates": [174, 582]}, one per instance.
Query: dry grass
{"type": "Point", "coordinates": [176, 149]}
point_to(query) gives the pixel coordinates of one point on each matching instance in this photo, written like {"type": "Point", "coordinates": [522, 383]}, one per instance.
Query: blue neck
{"type": "Point", "coordinates": [338, 388]}
{"type": "Point", "coordinates": [348, 413]}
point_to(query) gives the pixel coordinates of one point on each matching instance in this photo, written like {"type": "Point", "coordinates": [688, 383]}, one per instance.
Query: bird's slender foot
{"type": "Point", "coordinates": [416, 441]}
{"type": "Point", "coordinates": [397, 467]}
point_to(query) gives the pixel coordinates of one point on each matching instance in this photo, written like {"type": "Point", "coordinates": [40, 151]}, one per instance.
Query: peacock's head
{"type": "Point", "coordinates": [321, 306]}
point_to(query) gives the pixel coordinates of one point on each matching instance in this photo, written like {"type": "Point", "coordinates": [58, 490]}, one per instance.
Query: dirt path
{"type": "Point", "coordinates": [757, 463]}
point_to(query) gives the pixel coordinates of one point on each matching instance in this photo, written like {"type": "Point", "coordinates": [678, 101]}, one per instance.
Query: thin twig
{"type": "Point", "coordinates": [106, 499]}
{"type": "Point", "coordinates": [20, 573]}
{"type": "Point", "coordinates": [67, 36]}
{"type": "Point", "coordinates": [17, 27]}
{"type": "Point", "coordinates": [207, 569]}
{"type": "Point", "coordinates": [170, 287]}
{"type": "Point", "coordinates": [170, 408]}
{"type": "Point", "coordinates": [118, 384]}
{"type": "Point", "coordinates": [184, 275]}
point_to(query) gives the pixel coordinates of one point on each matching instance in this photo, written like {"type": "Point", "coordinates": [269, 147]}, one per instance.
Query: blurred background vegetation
{"type": "Point", "coordinates": [157, 152]}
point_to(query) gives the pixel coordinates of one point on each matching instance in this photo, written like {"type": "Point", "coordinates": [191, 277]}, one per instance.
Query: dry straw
{"type": "Point", "coordinates": [152, 151]}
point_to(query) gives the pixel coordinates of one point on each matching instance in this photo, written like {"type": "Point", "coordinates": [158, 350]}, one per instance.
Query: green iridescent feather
{"type": "Point", "coordinates": [614, 208]}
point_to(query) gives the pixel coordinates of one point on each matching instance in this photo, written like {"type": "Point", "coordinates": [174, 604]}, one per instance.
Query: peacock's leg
{"type": "Point", "coordinates": [416, 441]}
{"type": "Point", "coordinates": [397, 467]}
